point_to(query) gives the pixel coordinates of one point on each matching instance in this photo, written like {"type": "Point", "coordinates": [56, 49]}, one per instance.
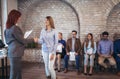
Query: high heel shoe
{"type": "Point", "coordinates": [90, 74]}
{"type": "Point", "coordinates": [85, 73]}
{"type": "Point", "coordinates": [58, 70]}
{"type": "Point", "coordinates": [48, 77]}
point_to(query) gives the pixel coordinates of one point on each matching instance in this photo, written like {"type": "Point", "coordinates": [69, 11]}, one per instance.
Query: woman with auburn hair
{"type": "Point", "coordinates": [48, 39]}
{"type": "Point", "coordinates": [16, 43]}
{"type": "Point", "coordinates": [89, 50]}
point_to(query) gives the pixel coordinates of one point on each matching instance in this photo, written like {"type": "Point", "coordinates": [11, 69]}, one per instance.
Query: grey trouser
{"type": "Point", "coordinates": [15, 68]}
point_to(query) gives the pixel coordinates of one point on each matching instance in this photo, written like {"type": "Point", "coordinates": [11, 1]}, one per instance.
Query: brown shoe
{"type": "Point", "coordinates": [78, 72]}
{"type": "Point", "coordinates": [66, 70]}
{"type": "Point", "coordinates": [118, 73]}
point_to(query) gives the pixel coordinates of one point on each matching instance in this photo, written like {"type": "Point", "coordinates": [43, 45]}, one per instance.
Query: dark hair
{"type": "Point", "coordinates": [60, 33]}
{"type": "Point", "coordinates": [50, 19]}
{"type": "Point", "coordinates": [74, 31]}
{"type": "Point", "coordinates": [13, 17]}
{"type": "Point", "coordinates": [105, 33]}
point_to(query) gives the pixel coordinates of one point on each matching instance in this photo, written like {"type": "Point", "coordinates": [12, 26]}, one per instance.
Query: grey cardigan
{"type": "Point", "coordinates": [16, 43]}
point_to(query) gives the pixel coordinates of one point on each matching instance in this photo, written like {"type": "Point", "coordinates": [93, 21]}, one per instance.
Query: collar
{"type": "Point", "coordinates": [49, 30]}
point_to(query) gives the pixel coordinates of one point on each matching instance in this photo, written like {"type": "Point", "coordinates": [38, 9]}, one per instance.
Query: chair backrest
{"type": "Point", "coordinates": [2, 45]}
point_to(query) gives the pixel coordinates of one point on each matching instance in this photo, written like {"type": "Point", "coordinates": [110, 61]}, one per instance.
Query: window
{"type": "Point", "coordinates": [0, 22]}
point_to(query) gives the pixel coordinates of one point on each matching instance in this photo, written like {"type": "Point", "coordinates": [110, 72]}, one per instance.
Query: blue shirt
{"type": "Point", "coordinates": [63, 43]}
{"type": "Point", "coordinates": [105, 47]}
{"type": "Point", "coordinates": [49, 40]}
{"type": "Point", "coordinates": [89, 46]}
{"type": "Point", "coordinates": [117, 46]}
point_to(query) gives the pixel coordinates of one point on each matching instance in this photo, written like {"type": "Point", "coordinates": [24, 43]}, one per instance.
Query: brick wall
{"type": "Point", "coordinates": [65, 18]}
{"type": "Point", "coordinates": [85, 16]}
{"type": "Point", "coordinates": [67, 14]}
{"type": "Point", "coordinates": [113, 20]}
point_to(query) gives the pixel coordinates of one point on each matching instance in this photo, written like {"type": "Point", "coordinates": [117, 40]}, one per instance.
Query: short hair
{"type": "Point", "coordinates": [60, 33]}
{"type": "Point", "coordinates": [105, 33]}
{"type": "Point", "coordinates": [74, 31]}
{"type": "Point", "coordinates": [13, 17]}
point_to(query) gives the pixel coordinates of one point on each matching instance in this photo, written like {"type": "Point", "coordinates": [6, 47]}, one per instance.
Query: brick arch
{"type": "Point", "coordinates": [65, 16]}
{"type": "Point", "coordinates": [113, 20]}
{"type": "Point", "coordinates": [90, 8]}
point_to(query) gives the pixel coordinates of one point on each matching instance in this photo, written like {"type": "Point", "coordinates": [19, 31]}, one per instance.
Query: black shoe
{"type": "Point", "coordinates": [90, 74]}
{"type": "Point", "coordinates": [58, 70]}
{"type": "Point", "coordinates": [48, 77]}
{"type": "Point", "coordinates": [113, 69]}
{"type": "Point", "coordinates": [85, 73]}
{"type": "Point", "coordinates": [55, 69]}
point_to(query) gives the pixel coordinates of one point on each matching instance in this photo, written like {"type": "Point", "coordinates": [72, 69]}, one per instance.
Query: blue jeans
{"type": "Point", "coordinates": [49, 69]}
{"type": "Point", "coordinates": [77, 60]}
{"type": "Point", "coordinates": [118, 63]}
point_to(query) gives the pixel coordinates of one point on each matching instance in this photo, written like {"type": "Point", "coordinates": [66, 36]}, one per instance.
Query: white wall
{"type": "Point", "coordinates": [11, 4]}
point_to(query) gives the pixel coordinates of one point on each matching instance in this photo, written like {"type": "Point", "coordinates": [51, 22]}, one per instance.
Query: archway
{"type": "Point", "coordinates": [64, 15]}
{"type": "Point", "coordinates": [113, 20]}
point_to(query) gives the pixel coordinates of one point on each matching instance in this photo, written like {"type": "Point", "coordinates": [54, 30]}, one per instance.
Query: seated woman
{"type": "Point", "coordinates": [89, 50]}
{"type": "Point", "coordinates": [117, 53]}
{"type": "Point", "coordinates": [60, 53]}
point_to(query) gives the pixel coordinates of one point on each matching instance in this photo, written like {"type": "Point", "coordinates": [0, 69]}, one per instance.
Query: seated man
{"type": "Point", "coordinates": [117, 53]}
{"type": "Point", "coordinates": [73, 45]}
{"type": "Point", "coordinates": [105, 51]}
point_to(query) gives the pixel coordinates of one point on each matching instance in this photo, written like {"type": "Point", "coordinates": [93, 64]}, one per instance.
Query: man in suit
{"type": "Point", "coordinates": [73, 45]}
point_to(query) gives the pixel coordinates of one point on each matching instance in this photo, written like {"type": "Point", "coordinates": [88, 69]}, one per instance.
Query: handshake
{"type": "Point", "coordinates": [35, 40]}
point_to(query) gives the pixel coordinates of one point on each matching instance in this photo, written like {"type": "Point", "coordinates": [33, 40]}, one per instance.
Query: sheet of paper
{"type": "Point", "coordinates": [27, 33]}
{"type": "Point", "coordinates": [3, 53]}
{"type": "Point", "coordinates": [72, 56]}
{"type": "Point", "coordinates": [59, 48]}
{"type": "Point", "coordinates": [89, 51]}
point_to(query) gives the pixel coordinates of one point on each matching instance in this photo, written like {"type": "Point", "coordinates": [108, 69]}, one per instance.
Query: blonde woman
{"type": "Point", "coordinates": [60, 54]}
